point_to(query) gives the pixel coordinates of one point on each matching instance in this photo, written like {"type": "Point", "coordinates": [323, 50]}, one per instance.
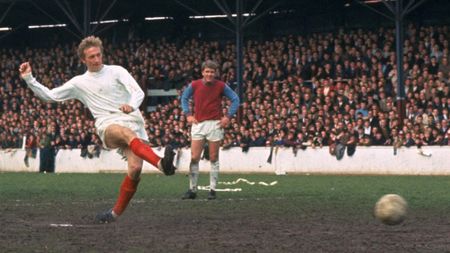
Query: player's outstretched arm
{"type": "Point", "coordinates": [24, 69]}
{"type": "Point", "coordinates": [61, 93]}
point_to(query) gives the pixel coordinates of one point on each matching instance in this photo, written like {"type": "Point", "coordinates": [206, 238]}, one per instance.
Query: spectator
{"type": "Point", "coordinates": [336, 82]}
{"type": "Point", "coordinates": [46, 152]}
{"type": "Point", "coordinates": [30, 148]}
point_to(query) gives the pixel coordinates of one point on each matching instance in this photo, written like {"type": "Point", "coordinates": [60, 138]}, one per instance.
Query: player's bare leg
{"type": "Point", "coordinates": [214, 147]}
{"type": "Point", "coordinates": [121, 137]}
{"type": "Point", "coordinates": [196, 151]}
{"type": "Point", "coordinates": [127, 189]}
{"type": "Point", "coordinates": [117, 136]}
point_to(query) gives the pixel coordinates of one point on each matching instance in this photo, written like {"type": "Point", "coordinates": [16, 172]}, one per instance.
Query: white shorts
{"type": "Point", "coordinates": [208, 129]}
{"type": "Point", "coordinates": [134, 126]}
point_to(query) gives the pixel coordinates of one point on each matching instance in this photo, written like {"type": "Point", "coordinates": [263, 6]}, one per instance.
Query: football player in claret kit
{"type": "Point", "coordinates": [208, 123]}
{"type": "Point", "coordinates": [113, 97]}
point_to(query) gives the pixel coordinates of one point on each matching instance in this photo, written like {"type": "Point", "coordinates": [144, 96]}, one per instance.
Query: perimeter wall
{"type": "Point", "coordinates": [366, 160]}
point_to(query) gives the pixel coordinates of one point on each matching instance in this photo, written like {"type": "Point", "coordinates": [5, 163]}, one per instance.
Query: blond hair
{"type": "Point", "coordinates": [90, 41]}
{"type": "Point", "coordinates": [210, 64]}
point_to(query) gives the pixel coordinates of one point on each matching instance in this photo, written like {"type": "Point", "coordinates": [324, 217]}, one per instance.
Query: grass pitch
{"type": "Point", "coordinates": [298, 213]}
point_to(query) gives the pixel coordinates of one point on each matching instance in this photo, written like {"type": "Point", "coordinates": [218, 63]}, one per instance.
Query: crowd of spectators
{"type": "Point", "coordinates": [299, 91]}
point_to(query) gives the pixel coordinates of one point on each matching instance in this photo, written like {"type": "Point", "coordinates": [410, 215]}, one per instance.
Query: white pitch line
{"type": "Point", "coordinates": [239, 180]}
{"type": "Point", "coordinates": [249, 182]}
{"type": "Point", "coordinates": [61, 225]}
{"type": "Point", "coordinates": [206, 188]}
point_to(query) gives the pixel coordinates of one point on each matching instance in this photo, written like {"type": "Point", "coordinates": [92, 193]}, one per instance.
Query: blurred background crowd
{"type": "Point", "coordinates": [304, 91]}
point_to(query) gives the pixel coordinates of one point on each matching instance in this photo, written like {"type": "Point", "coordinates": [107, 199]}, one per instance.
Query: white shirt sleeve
{"type": "Point", "coordinates": [137, 95]}
{"type": "Point", "coordinates": [61, 93]}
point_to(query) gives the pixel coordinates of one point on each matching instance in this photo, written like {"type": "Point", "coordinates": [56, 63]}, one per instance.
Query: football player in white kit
{"type": "Point", "coordinates": [113, 97]}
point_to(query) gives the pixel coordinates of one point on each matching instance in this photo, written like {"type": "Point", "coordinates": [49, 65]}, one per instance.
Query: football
{"type": "Point", "coordinates": [391, 209]}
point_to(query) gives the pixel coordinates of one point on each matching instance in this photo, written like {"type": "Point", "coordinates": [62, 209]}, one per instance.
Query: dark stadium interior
{"type": "Point", "coordinates": [294, 16]}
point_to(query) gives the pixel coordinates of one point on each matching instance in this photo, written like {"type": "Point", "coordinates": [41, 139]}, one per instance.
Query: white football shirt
{"type": "Point", "coordinates": [102, 92]}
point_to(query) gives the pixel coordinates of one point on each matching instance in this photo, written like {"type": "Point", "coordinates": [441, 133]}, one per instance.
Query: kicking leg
{"type": "Point", "coordinates": [118, 136]}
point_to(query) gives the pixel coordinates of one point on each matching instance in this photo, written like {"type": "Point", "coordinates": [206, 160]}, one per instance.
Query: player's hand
{"type": "Point", "coordinates": [126, 108]}
{"type": "Point", "coordinates": [191, 120]}
{"type": "Point", "coordinates": [224, 121]}
{"type": "Point", "coordinates": [24, 69]}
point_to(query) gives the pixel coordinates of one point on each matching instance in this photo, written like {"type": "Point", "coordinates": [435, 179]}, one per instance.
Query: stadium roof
{"type": "Point", "coordinates": [20, 12]}
{"type": "Point", "coordinates": [45, 11]}
{"type": "Point", "coordinates": [17, 14]}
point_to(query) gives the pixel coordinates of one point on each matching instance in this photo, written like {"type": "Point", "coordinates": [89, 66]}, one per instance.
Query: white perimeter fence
{"type": "Point", "coordinates": [366, 160]}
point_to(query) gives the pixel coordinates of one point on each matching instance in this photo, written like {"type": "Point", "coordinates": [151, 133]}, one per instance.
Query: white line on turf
{"type": "Point", "coordinates": [239, 180]}
{"type": "Point", "coordinates": [61, 225]}
{"type": "Point", "coordinates": [206, 188]}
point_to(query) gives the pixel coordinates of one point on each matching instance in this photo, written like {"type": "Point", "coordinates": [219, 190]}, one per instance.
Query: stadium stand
{"type": "Point", "coordinates": [300, 91]}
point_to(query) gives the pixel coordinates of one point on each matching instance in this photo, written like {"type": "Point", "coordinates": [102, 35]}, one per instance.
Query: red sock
{"type": "Point", "coordinates": [144, 151]}
{"type": "Point", "coordinates": [127, 190]}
